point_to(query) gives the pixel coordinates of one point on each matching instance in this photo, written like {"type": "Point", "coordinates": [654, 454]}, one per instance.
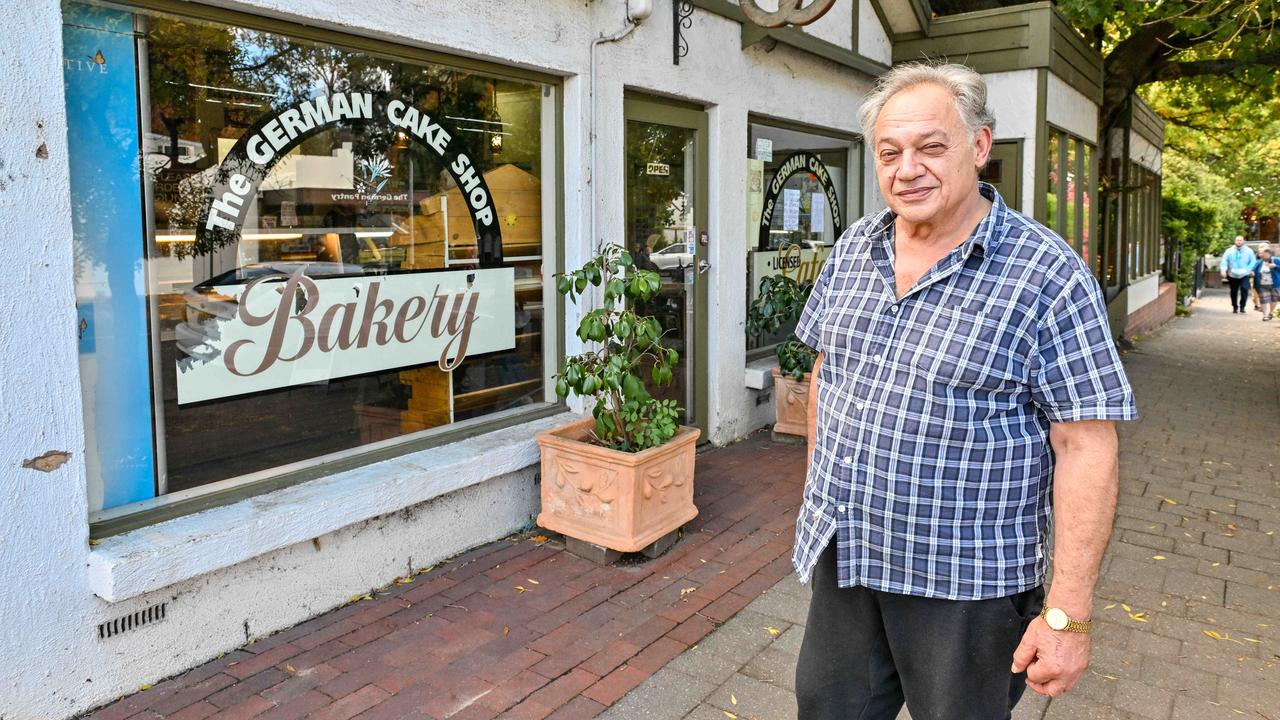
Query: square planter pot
{"type": "Point", "coordinates": [791, 404]}
{"type": "Point", "coordinates": [618, 500]}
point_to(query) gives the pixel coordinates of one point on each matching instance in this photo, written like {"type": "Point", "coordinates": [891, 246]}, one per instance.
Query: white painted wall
{"type": "Point", "coordinates": [1012, 99]}
{"type": "Point", "coordinates": [1144, 152]}
{"type": "Point", "coordinates": [873, 42]}
{"type": "Point", "coordinates": [1071, 109]}
{"type": "Point", "coordinates": [51, 663]}
{"type": "Point", "coordinates": [1142, 292]}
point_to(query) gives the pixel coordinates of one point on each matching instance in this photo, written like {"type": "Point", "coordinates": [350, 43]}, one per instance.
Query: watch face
{"type": "Point", "coordinates": [1056, 618]}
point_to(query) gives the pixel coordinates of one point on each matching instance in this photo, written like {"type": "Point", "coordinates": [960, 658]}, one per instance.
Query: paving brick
{"type": "Point", "coordinates": [579, 708]}
{"type": "Point", "coordinates": [251, 685]}
{"type": "Point", "coordinates": [613, 686]}
{"type": "Point", "coordinates": [351, 705]}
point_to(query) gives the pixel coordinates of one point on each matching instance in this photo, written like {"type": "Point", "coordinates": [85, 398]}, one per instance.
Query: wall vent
{"type": "Point", "coordinates": [132, 621]}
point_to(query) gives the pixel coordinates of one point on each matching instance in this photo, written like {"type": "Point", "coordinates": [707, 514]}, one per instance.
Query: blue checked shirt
{"type": "Point", "coordinates": [932, 465]}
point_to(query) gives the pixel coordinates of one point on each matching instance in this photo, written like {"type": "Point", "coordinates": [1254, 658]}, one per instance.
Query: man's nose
{"type": "Point", "coordinates": [909, 168]}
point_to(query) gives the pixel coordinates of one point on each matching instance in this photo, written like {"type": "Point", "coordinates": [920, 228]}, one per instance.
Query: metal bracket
{"type": "Point", "coordinates": [681, 20]}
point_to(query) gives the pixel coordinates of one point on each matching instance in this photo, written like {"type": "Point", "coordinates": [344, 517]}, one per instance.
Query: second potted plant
{"type": "Point", "coordinates": [623, 478]}
{"type": "Point", "coordinates": [781, 299]}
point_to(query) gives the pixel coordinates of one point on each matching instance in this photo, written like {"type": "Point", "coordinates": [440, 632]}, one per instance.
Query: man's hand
{"type": "Point", "coordinates": [1054, 660]}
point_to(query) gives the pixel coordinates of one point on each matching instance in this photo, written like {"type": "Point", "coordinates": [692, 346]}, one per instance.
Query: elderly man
{"type": "Point", "coordinates": [967, 388]}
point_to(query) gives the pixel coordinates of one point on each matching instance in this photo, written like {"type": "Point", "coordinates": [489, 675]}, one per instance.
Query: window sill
{"type": "Point", "coordinates": [140, 561]}
{"type": "Point", "coordinates": [760, 373]}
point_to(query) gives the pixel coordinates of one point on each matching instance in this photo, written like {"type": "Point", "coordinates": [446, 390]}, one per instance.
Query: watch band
{"type": "Point", "coordinates": [1075, 626]}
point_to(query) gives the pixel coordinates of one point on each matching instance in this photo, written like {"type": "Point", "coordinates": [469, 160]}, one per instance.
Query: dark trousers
{"type": "Point", "coordinates": [865, 651]}
{"type": "Point", "coordinates": [1239, 287]}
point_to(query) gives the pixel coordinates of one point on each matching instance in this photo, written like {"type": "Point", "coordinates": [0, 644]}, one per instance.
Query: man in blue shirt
{"type": "Point", "coordinates": [965, 393]}
{"type": "Point", "coordinates": [1237, 267]}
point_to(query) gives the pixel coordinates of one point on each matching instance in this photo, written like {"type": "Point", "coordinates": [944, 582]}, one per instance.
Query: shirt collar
{"type": "Point", "coordinates": [987, 235]}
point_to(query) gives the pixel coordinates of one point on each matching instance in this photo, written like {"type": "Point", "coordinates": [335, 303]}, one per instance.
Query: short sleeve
{"type": "Point", "coordinates": [1076, 371]}
{"type": "Point", "coordinates": [809, 328]}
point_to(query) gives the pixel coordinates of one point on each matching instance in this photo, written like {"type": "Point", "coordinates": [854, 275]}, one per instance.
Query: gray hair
{"type": "Point", "coordinates": [967, 88]}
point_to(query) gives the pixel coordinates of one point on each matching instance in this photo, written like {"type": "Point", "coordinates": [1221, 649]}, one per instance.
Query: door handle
{"type": "Point", "coordinates": [703, 267]}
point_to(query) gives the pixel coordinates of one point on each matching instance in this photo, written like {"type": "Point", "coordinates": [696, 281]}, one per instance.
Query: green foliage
{"type": "Point", "coordinates": [1200, 211]}
{"type": "Point", "coordinates": [781, 300]}
{"type": "Point", "coordinates": [627, 417]}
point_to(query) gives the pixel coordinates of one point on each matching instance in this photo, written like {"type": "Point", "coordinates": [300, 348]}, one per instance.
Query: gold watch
{"type": "Point", "coordinates": [1057, 619]}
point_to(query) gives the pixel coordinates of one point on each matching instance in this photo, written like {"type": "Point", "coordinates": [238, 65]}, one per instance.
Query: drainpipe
{"type": "Point", "coordinates": [637, 12]}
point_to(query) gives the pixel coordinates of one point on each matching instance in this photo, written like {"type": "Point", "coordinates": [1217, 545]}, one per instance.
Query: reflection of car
{"type": "Point", "coordinates": [206, 306]}
{"type": "Point", "coordinates": [671, 257]}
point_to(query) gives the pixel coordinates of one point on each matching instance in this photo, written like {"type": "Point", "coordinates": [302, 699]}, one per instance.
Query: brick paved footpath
{"type": "Point", "coordinates": [517, 628]}
{"type": "Point", "coordinates": [1194, 558]}
{"type": "Point", "coordinates": [1188, 606]}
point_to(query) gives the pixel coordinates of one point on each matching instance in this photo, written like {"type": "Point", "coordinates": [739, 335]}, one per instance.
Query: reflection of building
{"type": "Point", "coordinates": [213, 507]}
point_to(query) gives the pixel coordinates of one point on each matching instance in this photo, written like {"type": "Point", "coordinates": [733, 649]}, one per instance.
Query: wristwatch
{"type": "Point", "coordinates": [1057, 619]}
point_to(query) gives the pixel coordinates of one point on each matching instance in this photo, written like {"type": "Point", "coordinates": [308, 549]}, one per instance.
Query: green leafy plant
{"type": "Point", "coordinates": [627, 417]}
{"type": "Point", "coordinates": [781, 300]}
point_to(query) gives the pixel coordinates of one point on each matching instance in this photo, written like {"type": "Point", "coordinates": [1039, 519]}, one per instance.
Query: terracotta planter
{"type": "Point", "coordinates": [622, 501]}
{"type": "Point", "coordinates": [791, 404]}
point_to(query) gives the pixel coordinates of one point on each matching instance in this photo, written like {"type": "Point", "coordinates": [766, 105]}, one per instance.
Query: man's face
{"type": "Point", "coordinates": [1239, 241]}
{"type": "Point", "coordinates": [926, 159]}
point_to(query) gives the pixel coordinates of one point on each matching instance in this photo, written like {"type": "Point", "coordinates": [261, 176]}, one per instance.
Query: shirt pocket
{"type": "Point", "coordinates": [975, 348]}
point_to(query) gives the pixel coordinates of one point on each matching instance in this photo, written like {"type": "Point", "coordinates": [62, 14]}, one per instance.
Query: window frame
{"type": "Point", "coordinates": [856, 167]}
{"type": "Point", "coordinates": [1079, 145]}
{"type": "Point", "coordinates": [131, 516]}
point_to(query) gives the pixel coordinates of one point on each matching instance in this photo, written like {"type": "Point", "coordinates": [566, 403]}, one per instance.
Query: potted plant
{"type": "Point", "coordinates": [781, 299]}
{"type": "Point", "coordinates": [621, 479]}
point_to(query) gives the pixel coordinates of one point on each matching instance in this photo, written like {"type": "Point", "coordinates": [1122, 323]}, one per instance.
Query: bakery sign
{"type": "Point", "coordinates": [290, 329]}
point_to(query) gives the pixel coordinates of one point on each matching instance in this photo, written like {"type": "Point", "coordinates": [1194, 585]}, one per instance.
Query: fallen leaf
{"type": "Point", "coordinates": [535, 582]}
{"type": "Point", "coordinates": [506, 630]}
{"type": "Point", "coordinates": [686, 591]}
{"type": "Point", "coordinates": [1157, 557]}
{"type": "Point", "coordinates": [1109, 606]}
{"type": "Point", "coordinates": [1252, 640]}
{"type": "Point", "coordinates": [1171, 501]}
{"type": "Point", "coordinates": [733, 698]}
{"type": "Point", "coordinates": [522, 588]}
{"type": "Point", "coordinates": [289, 668]}
{"type": "Point", "coordinates": [1126, 608]}
{"type": "Point", "coordinates": [95, 542]}
{"type": "Point", "coordinates": [404, 580]}
{"type": "Point", "coordinates": [773, 631]}
{"type": "Point", "coordinates": [1138, 616]}
{"type": "Point", "coordinates": [729, 714]}
{"type": "Point", "coordinates": [144, 687]}
{"type": "Point", "coordinates": [539, 538]}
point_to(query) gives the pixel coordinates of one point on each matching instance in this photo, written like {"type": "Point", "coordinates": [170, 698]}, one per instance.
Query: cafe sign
{"type": "Point", "coordinates": [800, 264]}
{"type": "Point", "coordinates": [284, 330]}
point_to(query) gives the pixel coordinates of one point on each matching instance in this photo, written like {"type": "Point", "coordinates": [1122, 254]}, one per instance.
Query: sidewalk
{"type": "Point", "coordinates": [1188, 606]}
{"type": "Point", "coordinates": [518, 628]}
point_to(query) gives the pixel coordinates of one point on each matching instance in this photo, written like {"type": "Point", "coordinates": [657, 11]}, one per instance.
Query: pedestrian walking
{"type": "Point", "coordinates": [1266, 280]}
{"type": "Point", "coordinates": [1237, 267]}
{"type": "Point", "coordinates": [967, 388]}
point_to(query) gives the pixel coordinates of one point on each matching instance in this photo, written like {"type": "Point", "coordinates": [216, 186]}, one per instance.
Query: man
{"type": "Point", "coordinates": [966, 390]}
{"type": "Point", "coordinates": [1237, 267]}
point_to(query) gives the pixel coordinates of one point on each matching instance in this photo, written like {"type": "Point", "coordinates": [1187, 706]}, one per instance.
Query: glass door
{"type": "Point", "coordinates": [666, 231]}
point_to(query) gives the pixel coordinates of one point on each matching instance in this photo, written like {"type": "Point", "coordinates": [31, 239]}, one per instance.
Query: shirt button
{"type": "Point", "coordinates": [861, 406]}
{"type": "Point", "coordinates": [893, 309]}
{"type": "Point", "coordinates": [840, 509]}
{"type": "Point", "coordinates": [848, 459]}
{"type": "Point", "coordinates": [816, 514]}
{"type": "Point", "coordinates": [876, 359]}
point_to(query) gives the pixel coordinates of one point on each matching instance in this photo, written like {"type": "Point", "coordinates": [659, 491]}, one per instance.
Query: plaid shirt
{"type": "Point", "coordinates": [932, 465]}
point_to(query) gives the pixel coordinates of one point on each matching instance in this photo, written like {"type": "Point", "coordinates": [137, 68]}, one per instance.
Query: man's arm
{"type": "Point", "coordinates": [1086, 479]}
{"type": "Point", "coordinates": [812, 433]}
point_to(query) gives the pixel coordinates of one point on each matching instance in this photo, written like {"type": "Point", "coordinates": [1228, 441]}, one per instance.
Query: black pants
{"type": "Point", "coordinates": [1240, 287]}
{"type": "Point", "coordinates": [865, 651]}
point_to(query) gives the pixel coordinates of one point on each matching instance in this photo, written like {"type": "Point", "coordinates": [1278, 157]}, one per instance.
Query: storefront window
{"type": "Point", "coordinates": [798, 187]}
{"type": "Point", "coordinates": [323, 247]}
{"type": "Point", "coordinates": [1069, 185]}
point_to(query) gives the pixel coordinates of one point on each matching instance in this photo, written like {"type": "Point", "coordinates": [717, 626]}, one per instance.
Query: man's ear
{"type": "Point", "coordinates": [982, 146]}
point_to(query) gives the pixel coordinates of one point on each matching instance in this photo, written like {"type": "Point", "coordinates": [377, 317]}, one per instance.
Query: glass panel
{"type": "Point", "coordinates": [797, 207]}
{"type": "Point", "coordinates": [1088, 212]}
{"type": "Point", "coordinates": [333, 248]}
{"type": "Point", "coordinates": [662, 236]}
{"type": "Point", "coordinates": [1053, 182]}
{"type": "Point", "coordinates": [1072, 189]}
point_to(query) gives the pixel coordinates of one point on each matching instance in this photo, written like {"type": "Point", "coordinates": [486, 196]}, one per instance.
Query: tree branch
{"type": "Point", "coordinates": [1223, 66]}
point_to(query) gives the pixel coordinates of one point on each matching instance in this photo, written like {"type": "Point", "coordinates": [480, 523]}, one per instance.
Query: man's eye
{"type": "Point", "coordinates": [888, 156]}
{"type": "Point", "coordinates": [934, 148]}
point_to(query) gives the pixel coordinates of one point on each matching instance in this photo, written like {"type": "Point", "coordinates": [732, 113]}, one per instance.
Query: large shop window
{"type": "Point", "coordinates": [320, 249]}
{"type": "Point", "coordinates": [798, 189]}
{"type": "Point", "coordinates": [1070, 192]}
